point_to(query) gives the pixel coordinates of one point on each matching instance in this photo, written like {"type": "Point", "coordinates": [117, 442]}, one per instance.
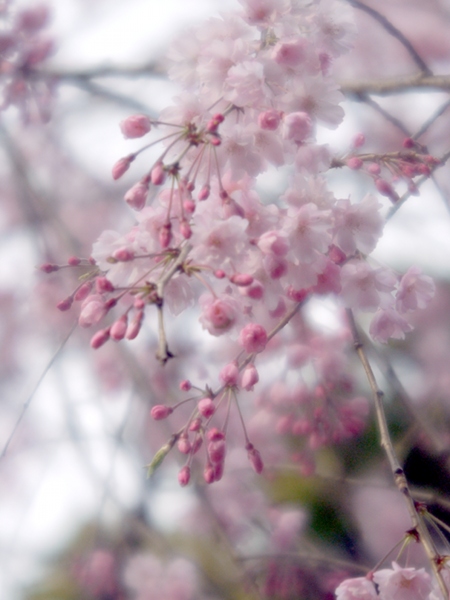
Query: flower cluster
{"type": "Point", "coordinates": [399, 583]}
{"type": "Point", "coordinates": [255, 87]}
{"type": "Point", "coordinates": [389, 168]}
{"type": "Point", "coordinates": [23, 48]}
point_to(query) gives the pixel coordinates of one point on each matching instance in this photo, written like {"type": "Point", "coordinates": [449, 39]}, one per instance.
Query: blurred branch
{"type": "Point", "coordinates": [394, 32]}
{"type": "Point", "coordinates": [408, 194]}
{"type": "Point", "coordinates": [27, 403]}
{"type": "Point", "coordinates": [396, 85]}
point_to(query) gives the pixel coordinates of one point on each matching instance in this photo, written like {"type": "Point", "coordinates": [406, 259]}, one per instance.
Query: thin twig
{"type": "Point", "coordinates": [384, 113]}
{"type": "Point", "coordinates": [396, 33]}
{"type": "Point", "coordinates": [27, 402]}
{"type": "Point", "coordinates": [396, 85]}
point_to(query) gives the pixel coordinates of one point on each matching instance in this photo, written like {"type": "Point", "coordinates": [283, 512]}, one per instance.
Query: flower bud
{"type": "Point", "coordinates": [135, 126]}
{"type": "Point", "coordinates": [160, 411]}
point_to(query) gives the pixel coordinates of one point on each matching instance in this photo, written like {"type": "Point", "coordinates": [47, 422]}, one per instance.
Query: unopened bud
{"type": "Point", "coordinates": [99, 338]}
{"type": "Point", "coordinates": [160, 411]}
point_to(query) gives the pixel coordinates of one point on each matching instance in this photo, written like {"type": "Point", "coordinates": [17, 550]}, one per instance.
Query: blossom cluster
{"type": "Point", "coordinates": [256, 86]}
{"type": "Point", "coordinates": [399, 583]}
{"type": "Point", "coordinates": [23, 47]}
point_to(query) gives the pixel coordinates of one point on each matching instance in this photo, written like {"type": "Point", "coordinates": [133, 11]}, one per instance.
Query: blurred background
{"type": "Point", "coordinates": [78, 517]}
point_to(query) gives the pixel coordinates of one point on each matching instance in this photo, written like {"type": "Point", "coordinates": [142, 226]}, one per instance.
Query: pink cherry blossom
{"type": "Point", "coordinates": [297, 126]}
{"type": "Point", "coordinates": [218, 315]}
{"type": "Point", "coordinates": [359, 588]}
{"type": "Point", "coordinates": [253, 338]}
{"type": "Point", "coordinates": [388, 323]}
{"type": "Point", "coordinates": [93, 310]}
{"type": "Point", "coordinates": [415, 290]}
{"type": "Point", "coordinates": [358, 226]}
{"type": "Point", "coordinates": [400, 583]}
{"type": "Point", "coordinates": [362, 286]}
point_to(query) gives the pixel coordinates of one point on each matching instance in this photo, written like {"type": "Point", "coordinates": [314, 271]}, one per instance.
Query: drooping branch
{"type": "Point", "coordinates": [397, 470]}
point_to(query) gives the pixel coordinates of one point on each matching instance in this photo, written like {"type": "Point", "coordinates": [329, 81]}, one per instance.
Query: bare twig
{"type": "Point", "coordinates": [27, 402]}
{"type": "Point", "coordinates": [407, 194]}
{"type": "Point", "coordinates": [396, 85]}
{"type": "Point", "coordinates": [392, 30]}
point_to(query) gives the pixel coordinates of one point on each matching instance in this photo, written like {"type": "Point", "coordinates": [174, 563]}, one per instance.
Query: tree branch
{"type": "Point", "coordinates": [392, 30]}
{"type": "Point", "coordinates": [397, 470]}
{"type": "Point", "coordinates": [396, 85]}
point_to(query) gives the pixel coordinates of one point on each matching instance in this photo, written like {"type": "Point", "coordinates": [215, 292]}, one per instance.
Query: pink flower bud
{"type": "Point", "coordinates": [255, 458]}
{"type": "Point", "coordinates": [136, 197]}
{"type": "Point", "coordinates": [359, 140]}
{"type": "Point", "coordinates": [217, 451]}
{"type": "Point", "coordinates": [160, 411]}
{"type": "Point", "coordinates": [424, 169]}
{"type": "Point", "coordinates": [189, 206]}
{"type": "Point", "coordinates": [185, 229]}
{"type": "Point", "coordinates": [123, 254]}
{"type": "Point", "coordinates": [135, 126]}
{"type": "Point", "coordinates": [215, 434]}
{"type": "Point", "coordinates": [158, 174]}
{"type": "Point", "coordinates": [184, 445]}
{"type": "Point", "coordinates": [385, 188]}
{"type": "Point", "coordinates": [99, 338]}
{"type": "Point", "coordinates": [269, 119]}
{"type": "Point", "coordinates": [297, 127]}
{"type": "Point", "coordinates": [374, 169]}
{"type": "Point", "coordinates": [65, 304]}
{"type": "Point", "coordinates": [219, 274]}
{"type": "Point", "coordinates": [241, 279]}
{"type": "Point", "coordinates": [408, 143]}
{"type": "Point", "coordinates": [229, 375]}
{"type": "Point", "coordinates": [250, 377]}
{"type": "Point", "coordinates": [119, 328]}
{"type": "Point", "coordinates": [208, 474]}
{"type": "Point", "coordinates": [196, 445]}
{"type": "Point", "coordinates": [354, 162]}
{"type": "Point", "coordinates": [195, 424]}
{"type": "Point", "coordinates": [184, 476]}
{"type": "Point", "coordinates": [206, 407]}
{"type": "Point", "coordinates": [253, 338]}
{"type": "Point", "coordinates": [73, 261]}
{"type": "Point", "coordinates": [49, 268]}
{"type": "Point", "coordinates": [135, 326]}
{"type": "Point", "coordinates": [103, 285]}
{"type": "Point", "coordinates": [297, 295]}
{"type": "Point", "coordinates": [204, 192]}
{"type": "Point", "coordinates": [218, 471]}
{"type": "Point", "coordinates": [122, 166]}
{"type": "Point", "coordinates": [214, 123]}
{"type": "Point", "coordinates": [185, 385]}
{"type": "Point", "coordinates": [93, 310]}
{"type": "Point", "coordinates": [165, 235]}
{"type": "Point", "coordinates": [138, 304]}
{"type": "Point", "coordinates": [336, 255]}
{"type": "Point", "coordinates": [83, 291]}
{"type": "Point", "coordinates": [215, 140]}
